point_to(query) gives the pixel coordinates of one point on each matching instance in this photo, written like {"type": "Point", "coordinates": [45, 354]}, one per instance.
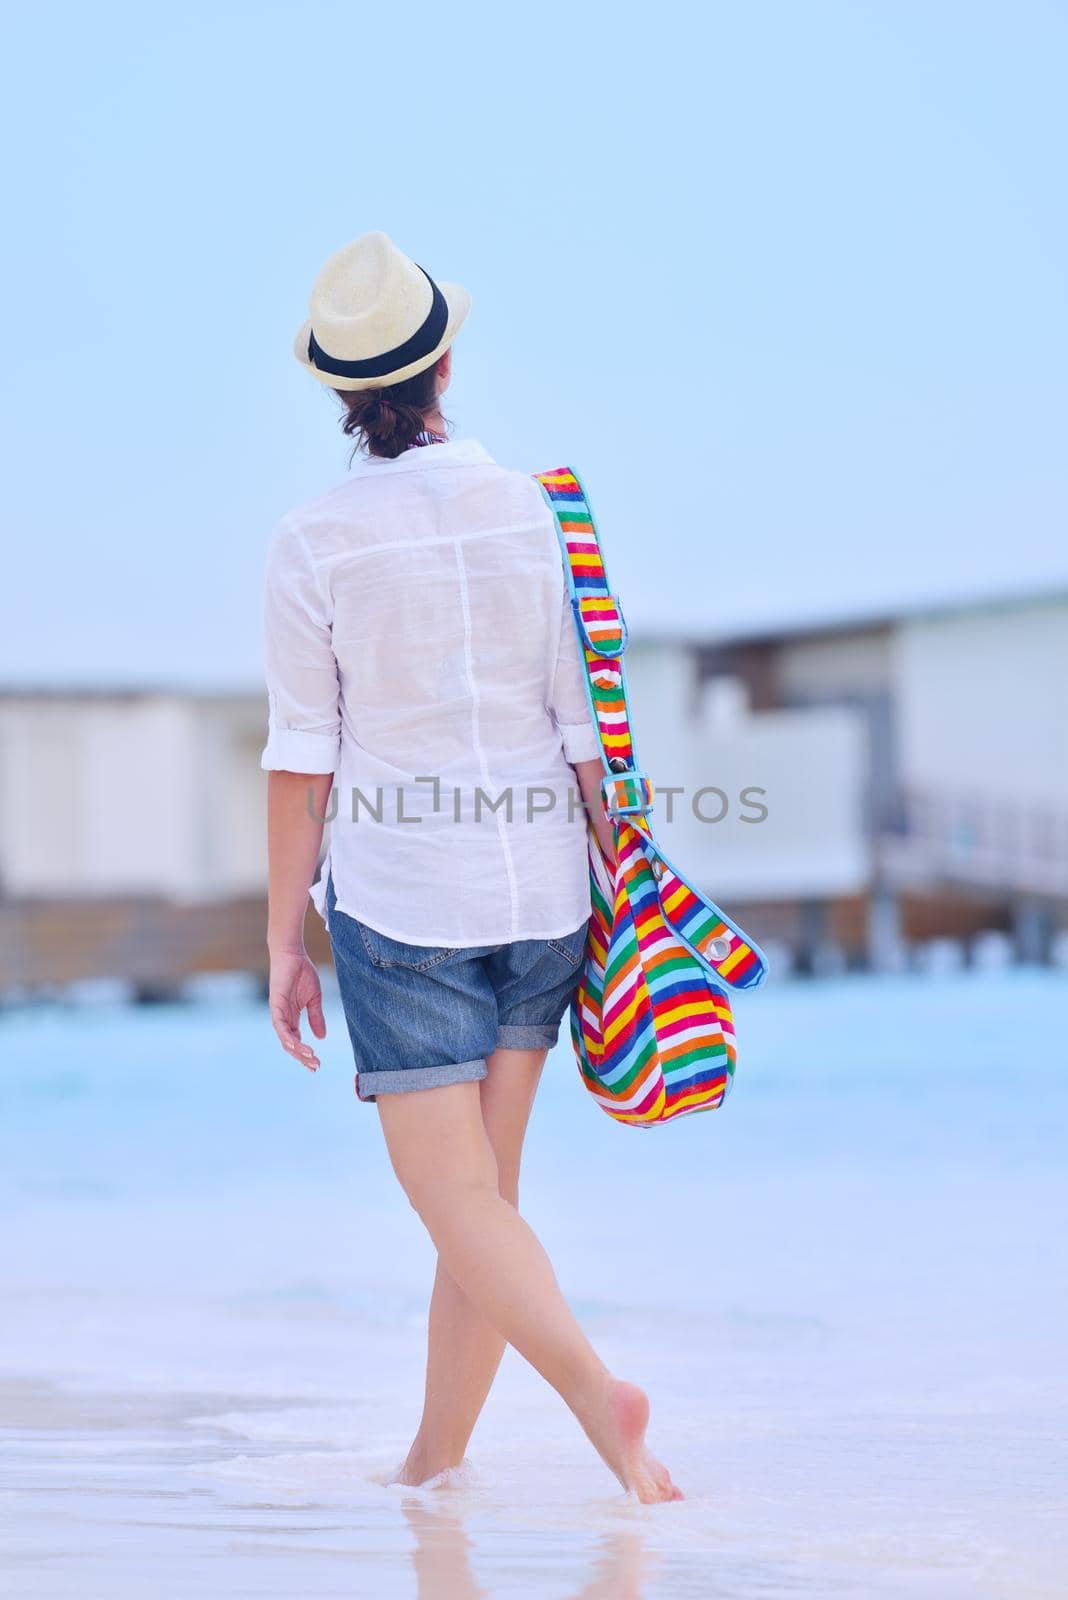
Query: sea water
{"type": "Point", "coordinates": [844, 1292]}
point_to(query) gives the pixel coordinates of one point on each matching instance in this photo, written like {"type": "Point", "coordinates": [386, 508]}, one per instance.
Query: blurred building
{"type": "Point", "coordinates": [132, 835]}
{"type": "Point", "coordinates": [846, 787]}
{"type": "Point", "coordinates": [915, 769]}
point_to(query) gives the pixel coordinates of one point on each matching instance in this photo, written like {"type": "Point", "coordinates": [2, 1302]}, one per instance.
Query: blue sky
{"type": "Point", "coordinates": [787, 283]}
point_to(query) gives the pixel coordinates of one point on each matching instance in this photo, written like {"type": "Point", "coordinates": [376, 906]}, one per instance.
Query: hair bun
{"type": "Point", "coordinates": [387, 420]}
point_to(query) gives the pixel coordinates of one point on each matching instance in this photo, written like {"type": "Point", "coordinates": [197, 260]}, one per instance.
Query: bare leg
{"type": "Point", "coordinates": [441, 1153]}
{"type": "Point", "coordinates": [463, 1349]}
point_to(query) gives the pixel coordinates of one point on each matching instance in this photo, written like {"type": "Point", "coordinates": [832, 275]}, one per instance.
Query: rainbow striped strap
{"type": "Point", "coordinates": [626, 790]}
{"type": "Point", "coordinates": [598, 617]}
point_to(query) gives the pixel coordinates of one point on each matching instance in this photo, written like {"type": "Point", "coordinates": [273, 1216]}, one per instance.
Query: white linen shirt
{"type": "Point", "coordinates": [418, 628]}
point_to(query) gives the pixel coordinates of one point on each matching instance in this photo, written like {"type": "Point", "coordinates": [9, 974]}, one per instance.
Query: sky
{"type": "Point", "coordinates": [786, 283]}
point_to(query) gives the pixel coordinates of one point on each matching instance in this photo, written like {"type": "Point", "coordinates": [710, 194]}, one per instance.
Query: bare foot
{"type": "Point", "coordinates": [615, 1425]}
{"type": "Point", "coordinates": [417, 1472]}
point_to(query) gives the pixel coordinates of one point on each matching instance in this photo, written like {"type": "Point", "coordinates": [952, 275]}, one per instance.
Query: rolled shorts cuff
{"type": "Point", "coordinates": [370, 1084]}
{"type": "Point", "coordinates": [527, 1036]}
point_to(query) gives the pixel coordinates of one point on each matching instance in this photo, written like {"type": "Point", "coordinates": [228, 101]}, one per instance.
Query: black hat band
{"type": "Point", "coordinates": [425, 338]}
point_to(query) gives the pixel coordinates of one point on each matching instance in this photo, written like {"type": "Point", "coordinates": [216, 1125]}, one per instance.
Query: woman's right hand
{"type": "Point", "coordinates": [293, 987]}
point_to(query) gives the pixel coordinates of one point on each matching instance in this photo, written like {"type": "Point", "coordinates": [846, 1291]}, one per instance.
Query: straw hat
{"type": "Point", "coordinates": [376, 317]}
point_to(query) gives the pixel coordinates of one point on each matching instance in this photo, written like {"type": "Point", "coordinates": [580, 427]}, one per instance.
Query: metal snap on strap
{"type": "Point", "coordinates": [657, 868]}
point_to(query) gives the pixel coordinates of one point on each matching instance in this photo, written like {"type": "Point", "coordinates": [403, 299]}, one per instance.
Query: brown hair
{"type": "Point", "coordinates": [385, 421]}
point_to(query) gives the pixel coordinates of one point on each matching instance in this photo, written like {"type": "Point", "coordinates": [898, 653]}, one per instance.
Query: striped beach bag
{"type": "Point", "coordinates": [651, 1019]}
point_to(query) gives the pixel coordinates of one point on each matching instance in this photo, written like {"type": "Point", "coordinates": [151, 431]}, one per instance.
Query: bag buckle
{"type": "Point", "coordinates": [628, 793]}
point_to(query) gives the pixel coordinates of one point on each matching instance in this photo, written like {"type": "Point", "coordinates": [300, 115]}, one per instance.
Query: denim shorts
{"type": "Point", "coordinates": [424, 1015]}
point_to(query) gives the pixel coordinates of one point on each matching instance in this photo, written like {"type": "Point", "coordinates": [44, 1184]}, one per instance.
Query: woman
{"type": "Point", "coordinates": [421, 658]}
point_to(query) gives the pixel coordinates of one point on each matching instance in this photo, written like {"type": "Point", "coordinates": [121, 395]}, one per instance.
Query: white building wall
{"type": "Point", "coordinates": [40, 787]}
{"type": "Point", "coordinates": [139, 797]}
{"type": "Point", "coordinates": [810, 764]}
{"type": "Point", "coordinates": [97, 795]}
{"type": "Point", "coordinates": [819, 665]}
{"type": "Point", "coordinates": [235, 816]}
{"type": "Point", "coordinates": [153, 794]}
{"type": "Point", "coordinates": [983, 704]}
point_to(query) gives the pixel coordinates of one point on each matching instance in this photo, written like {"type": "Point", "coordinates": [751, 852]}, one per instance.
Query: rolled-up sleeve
{"type": "Point", "coordinates": [303, 692]}
{"type": "Point", "coordinates": [569, 703]}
